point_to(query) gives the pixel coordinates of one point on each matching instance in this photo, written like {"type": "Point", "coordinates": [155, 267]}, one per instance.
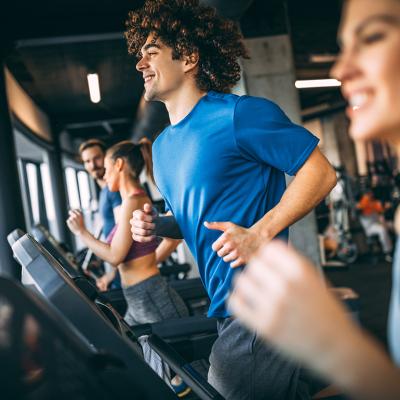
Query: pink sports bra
{"type": "Point", "coordinates": [137, 249]}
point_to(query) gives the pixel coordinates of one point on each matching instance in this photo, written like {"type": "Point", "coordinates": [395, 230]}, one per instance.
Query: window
{"type": "Point", "coordinates": [32, 178]}
{"type": "Point", "coordinates": [72, 188]}
{"type": "Point", "coordinates": [48, 192]}
{"type": "Point", "coordinates": [84, 189]}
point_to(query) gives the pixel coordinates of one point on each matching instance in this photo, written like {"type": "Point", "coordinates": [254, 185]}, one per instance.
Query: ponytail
{"type": "Point", "coordinates": [136, 155]}
{"type": "Point", "coordinates": [146, 150]}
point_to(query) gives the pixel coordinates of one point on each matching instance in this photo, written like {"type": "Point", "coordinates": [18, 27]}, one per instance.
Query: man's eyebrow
{"type": "Point", "coordinates": [150, 45]}
{"type": "Point", "coordinates": [147, 47]}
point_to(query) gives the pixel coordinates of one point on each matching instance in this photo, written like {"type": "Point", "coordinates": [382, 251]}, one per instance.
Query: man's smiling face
{"type": "Point", "coordinates": [162, 75]}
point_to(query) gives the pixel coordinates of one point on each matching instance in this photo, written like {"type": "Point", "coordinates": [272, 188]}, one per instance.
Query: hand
{"type": "Point", "coordinates": [236, 244]}
{"type": "Point", "coordinates": [103, 282]}
{"type": "Point", "coordinates": [75, 222]}
{"type": "Point", "coordinates": [142, 226]}
{"type": "Point", "coordinates": [281, 296]}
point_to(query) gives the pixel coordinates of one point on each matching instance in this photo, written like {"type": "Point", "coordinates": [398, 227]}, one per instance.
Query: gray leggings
{"type": "Point", "coordinates": [152, 300]}
{"type": "Point", "coordinates": [243, 367]}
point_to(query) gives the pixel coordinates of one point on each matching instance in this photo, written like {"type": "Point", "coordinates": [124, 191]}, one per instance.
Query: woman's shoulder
{"type": "Point", "coordinates": [137, 195]}
{"type": "Point", "coordinates": [136, 198]}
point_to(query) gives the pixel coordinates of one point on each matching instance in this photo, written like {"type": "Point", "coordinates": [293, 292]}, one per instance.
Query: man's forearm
{"type": "Point", "coordinates": [167, 227]}
{"type": "Point", "coordinates": [165, 248]}
{"type": "Point", "coordinates": [311, 184]}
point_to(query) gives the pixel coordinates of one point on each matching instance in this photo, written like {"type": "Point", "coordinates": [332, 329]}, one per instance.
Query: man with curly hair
{"type": "Point", "coordinates": [222, 159]}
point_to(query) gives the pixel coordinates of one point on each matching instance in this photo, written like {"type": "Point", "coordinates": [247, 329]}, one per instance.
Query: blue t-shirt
{"type": "Point", "coordinates": [225, 161]}
{"type": "Point", "coordinates": [107, 202]}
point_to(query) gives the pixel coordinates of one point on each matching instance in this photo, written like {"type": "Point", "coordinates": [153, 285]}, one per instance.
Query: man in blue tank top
{"type": "Point", "coordinates": [92, 154]}
{"type": "Point", "coordinates": [220, 167]}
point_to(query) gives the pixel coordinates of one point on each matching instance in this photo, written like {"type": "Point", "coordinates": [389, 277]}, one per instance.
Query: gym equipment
{"type": "Point", "coordinates": [191, 290]}
{"type": "Point", "coordinates": [192, 337]}
{"type": "Point", "coordinates": [341, 212]}
{"type": "Point", "coordinates": [173, 270]}
{"type": "Point", "coordinates": [42, 355]}
{"type": "Point", "coordinates": [48, 241]}
{"type": "Point", "coordinates": [51, 280]}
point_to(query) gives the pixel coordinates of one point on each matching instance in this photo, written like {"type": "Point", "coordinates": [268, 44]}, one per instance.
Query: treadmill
{"type": "Point", "coordinates": [191, 290]}
{"type": "Point", "coordinates": [67, 264]}
{"type": "Point", "coordinates": [49, 242]}
{"type": "Point", "coordinates": [43, 356]}
{"type": "Point", "coordinates": [191, 336]}
{"type": "Point", "coordinates": [56, 285]}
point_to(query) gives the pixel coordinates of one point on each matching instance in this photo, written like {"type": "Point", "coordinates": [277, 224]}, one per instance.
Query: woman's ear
{"type": "Point", "coordinates": [119, 164]}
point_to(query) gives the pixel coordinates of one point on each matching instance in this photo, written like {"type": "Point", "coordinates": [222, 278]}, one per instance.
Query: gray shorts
{"type": "Point", "coordinates": [243, 367]}
{"type": "Point", "coordinates": [152, 300]}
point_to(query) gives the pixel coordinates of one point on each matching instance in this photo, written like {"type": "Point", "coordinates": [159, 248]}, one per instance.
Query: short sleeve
{"type": "Point", "coordinates": [115, 199]}
{"type": "Point", "coordinates": [265, 134]}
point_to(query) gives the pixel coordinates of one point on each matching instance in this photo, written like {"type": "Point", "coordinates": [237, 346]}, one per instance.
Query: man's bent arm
{"type": "Point", "coordinates": [165, 249]}
{"type": "Point", "coordinates": [314, 180]}
{"type": "Point", "coordinates": [167, 227]}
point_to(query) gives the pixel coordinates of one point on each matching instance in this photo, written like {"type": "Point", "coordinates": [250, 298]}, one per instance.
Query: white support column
{"type": "Point", "coordinates": [330, 146]}
{"type": "Point", "coordinates": [270, 73]}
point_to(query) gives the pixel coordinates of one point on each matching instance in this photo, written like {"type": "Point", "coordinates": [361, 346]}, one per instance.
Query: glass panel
{"type": "Point", "coordinates": [72, 188]}
{"type": "Point", "coordinates": [84, 189]}
{"type": "Point", "coordinates": [31, 173]}
{"type": "Point", "coordinates": [48, 193]}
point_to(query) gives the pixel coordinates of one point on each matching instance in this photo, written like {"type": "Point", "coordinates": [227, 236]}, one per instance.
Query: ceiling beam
{"type": "Point", "coordinates": [60, 40]}
{"type": "Point", "coordinates": [103, 123]}
{"type": "Point", "coordinates": [107, 127]}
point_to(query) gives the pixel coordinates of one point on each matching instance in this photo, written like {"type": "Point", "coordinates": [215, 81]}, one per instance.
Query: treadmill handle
{"type": "Point", "coordinates": [172, 328]}
{"type": "Point", "coordinates": [176, 362]}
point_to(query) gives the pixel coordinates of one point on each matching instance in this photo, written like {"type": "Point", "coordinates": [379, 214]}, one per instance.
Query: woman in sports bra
{"type": "Point", "coordinates": [149, 297]}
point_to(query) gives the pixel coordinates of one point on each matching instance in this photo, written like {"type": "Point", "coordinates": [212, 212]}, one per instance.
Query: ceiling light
{"type": "Point", "coordinates": [323, 58]}
{"type": "Point", "coordinates": [94, 87]}
{"type": "Point", "coordinates": [317, 83]}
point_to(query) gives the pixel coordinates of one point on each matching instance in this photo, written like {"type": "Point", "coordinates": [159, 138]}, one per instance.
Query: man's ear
{"type": "Point", "coordinates": [191, 61]}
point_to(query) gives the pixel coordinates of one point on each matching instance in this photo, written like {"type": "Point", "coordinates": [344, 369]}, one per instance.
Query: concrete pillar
{"type": "Point", "coordinates": [345, 144]}
{"type": "Point", "coordinates": [330, 145]}
{"type": "Point", "coordinates": [58, 185]}
{"type": "Point", "coordinates": [337, 145]}
{"type": "Point", "coordinates": [11, 210]}
{"type": "Point", "coordinates": [270, 73]}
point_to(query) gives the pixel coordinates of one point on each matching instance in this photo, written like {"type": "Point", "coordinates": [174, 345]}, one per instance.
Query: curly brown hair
{"type": "Point", "coordinates": [189, 28]}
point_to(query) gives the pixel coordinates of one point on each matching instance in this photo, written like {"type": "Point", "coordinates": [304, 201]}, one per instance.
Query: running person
{"type": "Point", "coordinates": [222, 160]}
{"type": "Point", "coordinates": [311, 325]}
{"type": "Point", "coordinates": [148, 296]}
{"type": "Point", "coordinates": [92, 153]}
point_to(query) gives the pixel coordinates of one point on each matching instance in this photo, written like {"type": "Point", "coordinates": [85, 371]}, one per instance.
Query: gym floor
{"type": "Point", "coordinates": [372, 281]}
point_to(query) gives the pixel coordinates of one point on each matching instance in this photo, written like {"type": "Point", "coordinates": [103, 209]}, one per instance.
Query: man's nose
{"type": "Point", "coordinates": [141, 64]}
